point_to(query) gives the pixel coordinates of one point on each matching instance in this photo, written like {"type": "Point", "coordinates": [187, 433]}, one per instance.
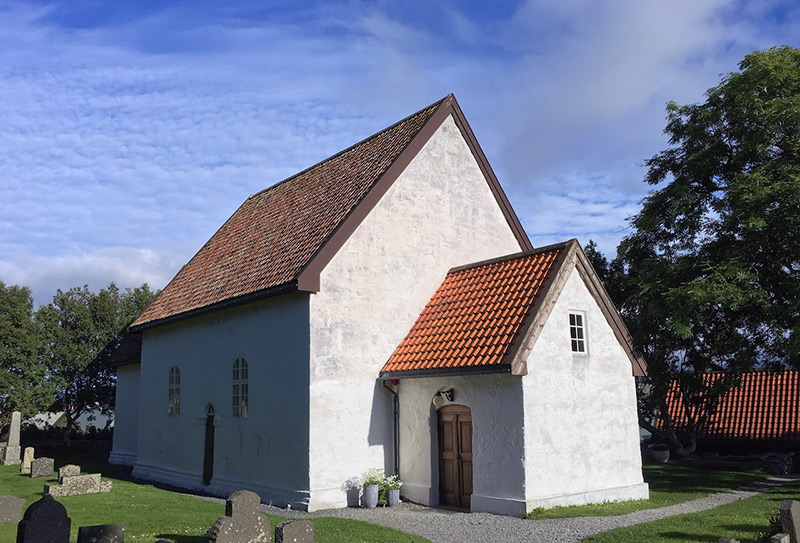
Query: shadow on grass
{"type": "Point", "coordinates": [177, 538]}
{"type": "Point", "coordinates": [683, 536]}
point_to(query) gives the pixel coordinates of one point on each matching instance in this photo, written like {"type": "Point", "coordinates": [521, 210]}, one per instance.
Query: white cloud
{"type": "Point", "coordinates": [125, 266]}
{"type": "Point", "coordinates": [122, 140]}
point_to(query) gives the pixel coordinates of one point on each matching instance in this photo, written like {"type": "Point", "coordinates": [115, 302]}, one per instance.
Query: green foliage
{"type": "Point", "coordinates": [23, 386]}
{"type": "Point", "coordinates": [712, 278]}
{"type": "Point", "coordinates": [79, 331]}
{"type": "Point", "coordinates": [58, 357]}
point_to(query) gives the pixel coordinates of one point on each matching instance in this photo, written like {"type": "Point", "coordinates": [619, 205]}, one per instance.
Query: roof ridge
{"type": "Point", "coordinates": [434, 105]}
{"type": "Point", "coordinates": [514, 256]}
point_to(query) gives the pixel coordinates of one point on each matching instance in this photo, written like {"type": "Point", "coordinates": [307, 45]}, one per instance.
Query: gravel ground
{"type": "Point", "coordinates": [444, 526]}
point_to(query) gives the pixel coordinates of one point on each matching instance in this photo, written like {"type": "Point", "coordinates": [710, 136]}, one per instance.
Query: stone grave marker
{"type": "Point", "coordinates": [45, 521]}
{"type": "Point", "coordinates": [780, 538]}
{"type": "Point", "coordinates": [11, 509]}
{"type": "Point", "coordinates": [789, 515]}
{"type": "Point", "coordinates": [11, 456]}
{"type": "Point", "coordinates": [27, 458]}
{"type": "Point", "coordinates": [70, 470]}
{"type": "Point", "coordinates": [103, 533]}
{"type": "Point", "coordinates": [294, 531]}
{"type": "Point", "coordinates": [42, 467]}
{"type": "Point", "coordinates": [243, 521]}
{"type": "Point", "coordinates": [89, 483]}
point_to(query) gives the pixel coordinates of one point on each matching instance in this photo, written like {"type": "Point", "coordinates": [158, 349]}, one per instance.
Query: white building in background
{"type": "Point", "coordinates": [385, 308]}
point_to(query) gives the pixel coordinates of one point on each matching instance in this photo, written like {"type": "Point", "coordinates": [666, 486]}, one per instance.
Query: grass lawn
{"type": "Point", "coordinates": [674, 482]}
{"type": "Point", "coordinates": [150, 513]}
{"type": "Point", "coordinates": [741, 520]}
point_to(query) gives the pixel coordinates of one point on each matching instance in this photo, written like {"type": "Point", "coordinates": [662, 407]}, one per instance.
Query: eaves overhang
{"type": "Point", "coordinates": [446, 372]}
{"type": "Point", "coordinates": [290, 286]}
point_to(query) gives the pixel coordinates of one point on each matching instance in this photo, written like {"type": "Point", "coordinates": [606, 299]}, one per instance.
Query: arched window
{"type": "Point", "coordinates": [174, 403]}
{"type": "Point", "coordinates": [240, 388]}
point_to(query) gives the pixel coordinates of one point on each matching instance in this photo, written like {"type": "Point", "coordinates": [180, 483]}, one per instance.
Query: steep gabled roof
{"type": "Point", "coordinates": [485, 317]}
{"type": "Point", "coordinates": [765, 407]}
{"type": "Point", "coordinates": [281, 238]}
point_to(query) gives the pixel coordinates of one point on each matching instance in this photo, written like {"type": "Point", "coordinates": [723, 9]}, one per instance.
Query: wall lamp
{"type": "Point", "coordinates": [440, 396]}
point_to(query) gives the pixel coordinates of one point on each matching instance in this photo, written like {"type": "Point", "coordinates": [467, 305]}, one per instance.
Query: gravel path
{"type": "Point", "coordinates": [443, 526]}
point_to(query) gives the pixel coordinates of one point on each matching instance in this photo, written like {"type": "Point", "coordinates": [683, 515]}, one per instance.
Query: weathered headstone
{"type": "Point", "coordinates": [45, 521]}
{"type": "Point", "coordinates": [11, 509]}
{"type": "Point", "coordinates": [11, 456]}
{"type": "Point", "coordinates": [42, 467]}
{"type": "Point", "coordinates": [89, 483]}
{"type": "Point", "coordinates": [243, 521]}
{"type": "Point", "coordinates": [790, 518]}
{"type": "Point", "coordinates": [27, 458]}
{"type": "Point", "coordinates": [780, 538]}
{"type": "Point", "coordinates": [70, 470]}
{"type": "Point", "coordinates": [294, 531]}
{"type": "Point", "coordinates": [103, 533]}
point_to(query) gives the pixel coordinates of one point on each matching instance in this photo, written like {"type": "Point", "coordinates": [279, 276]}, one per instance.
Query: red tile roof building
{"type": "Point", "coordinates": [763, 411]}
{"type": "Point", "coordinates": [480, 316]}
{"type": "Point", "coordinates": [316, 283]}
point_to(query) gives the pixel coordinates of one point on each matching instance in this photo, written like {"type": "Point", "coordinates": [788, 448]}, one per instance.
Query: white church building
{"type": "Point", "coordinates": [385, 309]}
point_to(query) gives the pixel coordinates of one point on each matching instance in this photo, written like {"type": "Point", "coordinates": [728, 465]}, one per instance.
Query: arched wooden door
{"type": "Point", "coordinates": [455, 455]}
{"type": "Point", "coordinates": [208, 456]}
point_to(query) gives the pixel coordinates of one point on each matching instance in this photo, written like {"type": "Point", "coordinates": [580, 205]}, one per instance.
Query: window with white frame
{"type": "Point", "coordinates": [577, 332]}
{"type": "Point", "coordinates": [240, 388]}
{"type": "Point", "coordinates": [174, 394]}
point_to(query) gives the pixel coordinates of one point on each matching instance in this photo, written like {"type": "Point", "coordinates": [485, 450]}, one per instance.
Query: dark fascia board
{"type": "Point", "coordinates": [445, 372]}
{"type": "Point", "coordinates": [309, 277]}
{"type": "Point", "coordinates": [541, 308]}
{"type": "Point", "coordinates": [277, 290]}
{"type": "Point", "coordinates": [573, 256]}
{"type": "Point", "coordinates": [598, 291]}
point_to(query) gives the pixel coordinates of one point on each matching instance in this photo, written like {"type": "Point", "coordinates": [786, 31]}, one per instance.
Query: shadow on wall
{"type": "Point", "coordinates": [381, 429]}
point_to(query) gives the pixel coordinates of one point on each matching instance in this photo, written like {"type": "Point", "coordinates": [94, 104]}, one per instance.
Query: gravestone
{"type": "Point", "coordinates": [42, 467]}
{"type": "Point", "coordinates": [90, 483]}
{"type": "Point", "coordinates": [780, 538]}
{"type": "Point", "coordinates": [790, 518]}
{"type": "Point", "coordinates": [11, 456]}
{"type": "Point", "coordinates": [294, 531]}
{"type": "Point", "coordinates": [70, 470]}
{"type": "Point", "coordinates": [727, 540]}
{"type": "Point", "coordinates": [45, 521]}
{"type": "Point", "coordinates": [27, 458]}
{"type": "Point", "coordinates": [11, 509]}
{"type": "Point", "coordinates": [243, 521]}
{"type": "Point", "coordinates": [103, 533]}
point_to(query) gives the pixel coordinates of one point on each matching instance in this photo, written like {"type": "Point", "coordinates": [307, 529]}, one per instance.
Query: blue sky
{"type": "Point", "coordinates": [132, 130]}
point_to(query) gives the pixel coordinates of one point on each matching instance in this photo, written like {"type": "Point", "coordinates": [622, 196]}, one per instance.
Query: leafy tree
{"type": "Point", "coordinates": [23, 386]}
{"type": "Point", "coordinates": [80, 330]}
{"type": "Point", "coordinates": [712, 266]}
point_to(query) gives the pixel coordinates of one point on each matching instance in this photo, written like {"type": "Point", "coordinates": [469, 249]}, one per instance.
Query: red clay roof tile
{"type": "Point", "coordinates": [493, 302]}
{"type": "Point", "coordinates": [765, 407]}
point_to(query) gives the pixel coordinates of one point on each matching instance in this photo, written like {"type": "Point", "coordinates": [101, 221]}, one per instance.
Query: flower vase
{"type": "Point", "coordinates": [393, 497]}
{"type": "Point", "coordinates": [370, 497]}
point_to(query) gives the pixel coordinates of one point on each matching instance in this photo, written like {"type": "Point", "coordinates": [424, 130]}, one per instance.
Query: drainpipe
{"type": "Point", "coordinates": [395, 424]}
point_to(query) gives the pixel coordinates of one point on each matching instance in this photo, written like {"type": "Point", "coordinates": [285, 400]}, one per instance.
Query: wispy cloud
{"type": "Point", "coordinates": [130, 134]}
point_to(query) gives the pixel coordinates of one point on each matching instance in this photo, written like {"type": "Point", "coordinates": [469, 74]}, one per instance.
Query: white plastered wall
{"type": "Point", "coordinates": [581, 428]}
{"type": "Point", "coordinates": [438, 214]}
{"type": "Point", "coordinates": [495, 403]}
{"type": "Point", "coordinates": [126, 415]}
{"type": "Point", "coordinates": [267, 452]}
